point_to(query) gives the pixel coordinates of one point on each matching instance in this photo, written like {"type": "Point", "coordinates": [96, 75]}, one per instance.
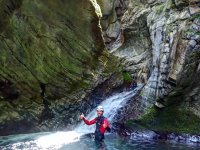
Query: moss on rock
{"type": "Point", "coordinates": [171, 119]}
{"type": "Point", "coordinates": [127, 77]}
{"type": "Point", "coordinates": [50, 50]}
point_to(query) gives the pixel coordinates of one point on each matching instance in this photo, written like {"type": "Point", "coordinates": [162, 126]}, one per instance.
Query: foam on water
{"type": "Point", "coordinates": [58, 139]}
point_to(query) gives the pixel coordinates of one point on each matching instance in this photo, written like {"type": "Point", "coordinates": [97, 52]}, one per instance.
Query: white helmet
{"type": "Point", "coordinates": [100, 108]}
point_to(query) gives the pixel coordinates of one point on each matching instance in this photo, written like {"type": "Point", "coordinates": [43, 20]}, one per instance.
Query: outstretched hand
{"type": "Point", "coordinates": [82, 116]}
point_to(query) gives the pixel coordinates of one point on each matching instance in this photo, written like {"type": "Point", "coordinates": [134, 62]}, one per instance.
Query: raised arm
{"type": "Point", "coordinates": [89, 122]}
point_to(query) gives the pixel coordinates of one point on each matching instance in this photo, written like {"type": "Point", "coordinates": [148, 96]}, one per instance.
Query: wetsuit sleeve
{"type": "Point", "coordinates": [89, 122]}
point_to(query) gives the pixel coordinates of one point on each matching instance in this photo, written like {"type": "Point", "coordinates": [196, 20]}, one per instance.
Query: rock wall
{"type": "Point", "coordinates": [112, 13]}
{"type": "Point", "coordinates": [52, 57]}
{"type": "Point", "coordinates": [161, 47]}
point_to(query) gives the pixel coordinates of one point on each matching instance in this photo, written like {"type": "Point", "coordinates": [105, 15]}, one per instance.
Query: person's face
{"type": "Point", "coordinates": [99, 113]}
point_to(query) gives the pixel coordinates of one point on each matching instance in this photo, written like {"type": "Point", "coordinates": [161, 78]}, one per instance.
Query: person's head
{"type": "Point", "coordinates": [99, 111]}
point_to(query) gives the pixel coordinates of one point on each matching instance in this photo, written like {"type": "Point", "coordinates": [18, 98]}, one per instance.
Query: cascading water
{"type": "Point", "coordinates": [76, 140]}
{"type": "Point", "coordinates": [58, 139]}
{"type": "Point", "coordinates": [110, 105]}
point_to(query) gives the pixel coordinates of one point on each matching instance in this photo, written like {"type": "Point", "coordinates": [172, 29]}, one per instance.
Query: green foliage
{"type": "Point", "coordinates": [127, 77]}
{"type": "Point", "coordinates": [196, 16]}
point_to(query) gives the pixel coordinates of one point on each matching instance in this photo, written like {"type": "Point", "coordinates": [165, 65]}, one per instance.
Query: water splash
{"type": "Point", "coordinates": [59, 139]}
{"type": "Point", "coordinates": [111, 105]}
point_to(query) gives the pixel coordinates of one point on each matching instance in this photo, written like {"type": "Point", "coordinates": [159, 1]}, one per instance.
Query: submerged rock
{"type": "Point", "coordinates": [135, 132]}
{"type": "Point", "coordinates": [144, 135]}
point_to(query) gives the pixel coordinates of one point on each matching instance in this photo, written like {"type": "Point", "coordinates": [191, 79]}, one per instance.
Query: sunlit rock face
{"type": "Point", "coordinates": [161, 46]}
{"type": "Point", "coordinates": [173, 36]}
{"type": "Point", "coordinates": [52, 56]}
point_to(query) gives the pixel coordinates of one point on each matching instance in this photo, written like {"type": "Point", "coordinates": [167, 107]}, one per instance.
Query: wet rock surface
{"type": "Point", "coordinates": [112, 13]}
{"type": "Point", "coordinates": [135, 132]}
{"type": "Point", "coordinates": [52, 58]}
{"type": "Point", "coordinates": [160, 46]}
{"type": "Point", "coordinates": [55, 66]}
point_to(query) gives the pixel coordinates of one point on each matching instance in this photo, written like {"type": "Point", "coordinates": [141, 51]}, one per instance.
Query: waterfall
{"type": "Point", "coordinates": [110, 105]}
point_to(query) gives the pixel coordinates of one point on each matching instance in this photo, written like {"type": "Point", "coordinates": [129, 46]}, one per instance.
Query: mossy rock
{"type": "Point", "coordinates": [50, 50]}
{"type": "Point", "coordinates": [171, 119]}
{"type": "Point", "coordinates": [127, 77]}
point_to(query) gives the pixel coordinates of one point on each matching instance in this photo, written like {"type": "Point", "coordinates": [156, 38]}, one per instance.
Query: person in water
{"type": "Point", "coordinates": [102, 125]}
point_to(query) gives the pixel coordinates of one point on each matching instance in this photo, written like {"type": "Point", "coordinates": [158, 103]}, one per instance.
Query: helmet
{"type": "Point", "coordinates": [100, 108]}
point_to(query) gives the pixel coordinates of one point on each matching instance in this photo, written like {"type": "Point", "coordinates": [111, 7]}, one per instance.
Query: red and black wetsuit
{"type": "Point", "coordinates": [100, 130]}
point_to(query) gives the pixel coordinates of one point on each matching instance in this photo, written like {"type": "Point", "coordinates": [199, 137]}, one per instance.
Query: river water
{"type": "Point", "coordinates": [73, 141]}
{"type": "Point", "coordinates": [80, 138]}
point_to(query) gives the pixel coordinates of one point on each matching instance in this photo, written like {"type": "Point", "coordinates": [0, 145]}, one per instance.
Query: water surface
{"type": "Point", "coordinates": [76, 141]}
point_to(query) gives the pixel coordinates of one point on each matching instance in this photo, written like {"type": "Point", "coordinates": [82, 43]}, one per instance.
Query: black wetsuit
{"type": "Point", "coordinates": [99, 137]}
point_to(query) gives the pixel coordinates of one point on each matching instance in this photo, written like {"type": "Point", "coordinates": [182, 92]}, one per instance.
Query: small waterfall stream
{"type": "Point", "coordinates": [110, 105]}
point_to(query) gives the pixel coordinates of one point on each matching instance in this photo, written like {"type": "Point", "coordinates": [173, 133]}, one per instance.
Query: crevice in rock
{"type": "Point", "coordinates": [46, 113]}
{"type": "Point", "coordinates": [8, 90]}
{"type": "Point", "coordinates": [111, 22]}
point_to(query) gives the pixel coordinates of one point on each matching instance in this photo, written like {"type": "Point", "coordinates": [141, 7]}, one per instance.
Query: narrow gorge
{"type": "Point", "coordinates": [63, 58]}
